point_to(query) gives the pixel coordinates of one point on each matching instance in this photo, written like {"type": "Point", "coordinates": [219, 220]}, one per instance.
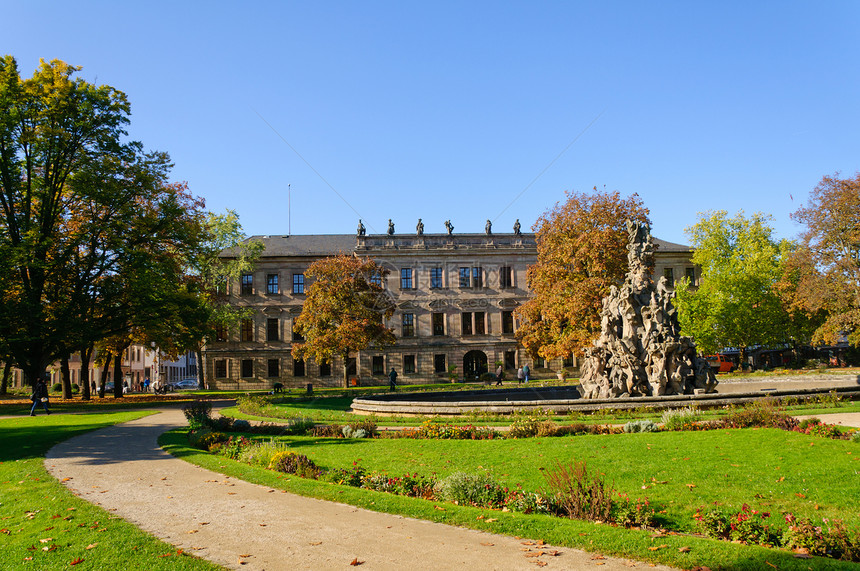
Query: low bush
{"type": "Point", "coordinates": [836, 541]}
{"type": "Point", "coordinates": [292, 463]}
{"type": "Point", "coordinates": [581, 495]}
{"type": "Point", "coordinates": [632, 513]}
{"type": "Point", "coordinates": [531, 503]}
{"type": "Point", "coordinates": [766, 413]}
{"type": "Point", "coordinates": [208, 439]}
{"type": "Point", "coordinates": [260, 453]}
{"type": "Point", "coordinates": [327, 431]}
{"type": "Point", "coordinates": [855, 437]}
{"type": "Point", "coordinates": [57, 388]}
{"type": "Point", "coordinates": [681, 418]}
{"type": "Point", "coordinates": [198, 413]}
{"type": "Point", "coordinates": [640, 426]}
{"type": "Point", "coordinates": [479, 490]}
{"type": "Point", "coordinates": [413, 485]}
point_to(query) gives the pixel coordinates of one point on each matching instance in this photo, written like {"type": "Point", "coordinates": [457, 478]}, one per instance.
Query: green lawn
{"type": "Point", "coordinates": [44, 526]}
{"type": "Point", "coordinates": [768, 469]}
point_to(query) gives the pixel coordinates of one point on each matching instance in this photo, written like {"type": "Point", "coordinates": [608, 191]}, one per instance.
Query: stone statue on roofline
{"type": "Point", "coordinates": [517, 227]}
{"type": "Point", "coordinates": [488, 227]}
{"type": "Point", "coordinates": [419, 229]}
{"type": "Point", "coordinates": [640, 351]}
{"type": "Point", "coordinates": [361, 231]}
{"type": "Point", "coordinates": [449, 227]}
{"type": "Point", "coordinates": [390, 227]}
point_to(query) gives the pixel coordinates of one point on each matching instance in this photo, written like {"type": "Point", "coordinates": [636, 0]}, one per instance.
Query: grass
{"type": "Point", "coordinates": [45, 526]}
{"type": "Point", "coordinates": [768, 469]}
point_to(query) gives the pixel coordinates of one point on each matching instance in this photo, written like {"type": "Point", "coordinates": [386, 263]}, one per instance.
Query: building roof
{"type": "Point", "coordinates": [314, 245]}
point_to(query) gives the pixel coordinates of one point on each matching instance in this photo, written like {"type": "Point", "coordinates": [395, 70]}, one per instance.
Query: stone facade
{"type": "Point", "coordinates": [454, 294]}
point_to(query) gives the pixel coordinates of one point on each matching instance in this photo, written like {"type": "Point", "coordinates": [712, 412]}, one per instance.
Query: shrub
{"type": "Point", "coordinates": [681, 418]}
{"type": "Point", "coordinates": [261, 453]}
{"type": "Point", "coordinates": [233, 446]}
{"type": "Point", "coordinates": [745, 526]}
{"type": "Point", "coordinates": [488, 378]}
{"type": "Point", "coordinates": [525, 427]}
{"type": "Point", "coordinates": [198, 413]}
{"type": "Point", "coordinates": [221, 424]}
{"type": "Point", "coordinates": [581, 495]}
{"type": "Point", "coordinates": [352, 477]}
{"type": "Point", "coordinates": [814, 427]}
{"type": "Point", "coordinates": [837, 542]}
{"type": "Point", "coordinates": [470, 489]}
{"type": "Point", "coordinates": [75, 388]}
{"type": "Point", "coordinates": [429, 429]}
{"type": "Point", "coordinates": [57, 387]}
{"type": "Point", "coordinates": [208, 439]}
{"type": "Point", "coordinates": [292, 463]}
{"type": "Point", "coordinates": [298, 426]}
{"type": "Point", "coordinates": [349, 432]}
{"type": "Point", "coordinates": [531, 502]}
{"type": "Point", "coordinates": [640, 426]}
{"type": "Point", "coordinates": [407, 485]}
{"type": "Point", "coordinates": [241, 425]}
{"type": "Point", "coordinates": [632, 513]}
{"type": "Point", "coordinates": [763, 413]}
{"type": "Point", "coordinates": [368, 426]}
{"type": "Point", "coordinates": [855, 437]}
{"type": "Point", "coordinates": [327, 431]}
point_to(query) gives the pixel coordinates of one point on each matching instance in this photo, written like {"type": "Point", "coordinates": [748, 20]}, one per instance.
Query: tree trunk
{"type": "Point", "coordinates": [84, 377]}
{"type": "Point", "coordinates": [201, 376]}
{"type": "Point", "coordinates": [345, 369]}
{"type": "Point", "coordinates": [4, 382]}
{"type": "Point", "coordinates": [66, 377]}
{"type": "Point", "coordinates": [117, 374]}
{"type": "Point", "coordinates": [104, 375]}
{"type": "Point", "coordinates": [742, 357]}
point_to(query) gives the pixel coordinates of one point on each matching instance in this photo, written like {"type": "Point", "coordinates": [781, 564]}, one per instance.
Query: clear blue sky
{"type": "Point", "coordinates": [445, 109]}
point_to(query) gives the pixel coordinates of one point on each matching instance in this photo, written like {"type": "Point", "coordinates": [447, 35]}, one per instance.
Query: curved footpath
{"type": "Point", "coordinates": [246, 526]}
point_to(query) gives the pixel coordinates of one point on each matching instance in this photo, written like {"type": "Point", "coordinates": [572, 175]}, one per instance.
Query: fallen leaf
{"type": "Point", "coordinates": [534, 554]}
{"type": "Point", "coordinates": [91, 545]}
{"type": "Point", "coordinates": [66, 480]}
{"type": "Point", "coordinates": [203, 523]}
{"type": "Point", "coordinates": [46, 540]}
{"type": "Point", "coordinates": [28, 559]}
{"type": "Point", "coordinates": [193, 531]}
{"type": "Point", "coordinates": [490, 520]}
{"type": "Point", "coordinates": [541, 563]}
{"type": "Point", "coordinates": [684, 549]}
{"type": "Point", "coordinates": [487, 544]}
{"type": "Point", "coordinates": [527, 542]}
{"type": "Point", "coordinates": [51, 548]}
{"type": "Point", "coordinates": [691, 486]}
{"type": "Point", "coordinates": [656, 547]}
{"type": "Point", "coordinates": [244, 555]}
{"type": "Point", "coordinates": [315, 543]}
{"type": "Point", "coordinates": [597, 556]}
{"type": "Point", "coordinates": [802, 556]}
{"type": "Point", "coordinates": [76, 561]}
{"type": "Point", "coordinates": [441, 509]}
{"type": "Point", "coordinates": [799, 495]}
{"type": "Point", "coordinates": [355, 562]}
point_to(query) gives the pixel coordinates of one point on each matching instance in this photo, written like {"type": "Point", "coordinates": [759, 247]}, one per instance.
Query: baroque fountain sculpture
{"type": "Point", "coordinates": [640, 351]}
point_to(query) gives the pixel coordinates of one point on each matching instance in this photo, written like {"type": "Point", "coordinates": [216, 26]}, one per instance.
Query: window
{"type": "Point", "coordinates": [439, 364]}
{"type": "Point", "coordinates": [299, 283]}
{"type": "Point", "coordinates": [378, 365]}
{"type": "Point", "coordinates": [690, 274]}
{"type": "Point", "coordinates": [247, 330]}
{"type": "Point", "coordinates": [507, 322]}
{"type": "Point", "coordinates": [297, 337]}
{"type": "Point", "coordinates": [464, 277]}
{"type": "Point", "coordinates": [298, 367]}
{"type": "Point", "coordinates": [325, 369]}
{"type": "Point", "coordinates": [220, 368]}
{"type": "Point", "coordinates": [466, 322]}
{"type": "Point", "coordinates": [274, 368]}
{"type": "Point", "coordinates": [540, 363]}
{"type": "Point", "coordinates": [438, 324]}
{"type": "Point", "coordinates": [435, 278]}
{"type": "Point", "coordinates": [272, 327]}
{"type": "Point", "coordinates": [247, 284]}
{"type": "Point", "coordinates": [376, 278]}
{"type": "Point", "coordinates": [221, 287]}
{"type": "Point", "coordinates": [247, 368]}
{"type": "Point", "coordinates": [408, 364]}
{"type": "Point", "coordinates": [669, 274]}
{"type": "Point", "coordinates": [272, 283]}
{"type": "Point", "coordinates": [471, 277]}
{"type": "Point", "coordinates": [408, 325]}
{"type": "Point", "coordinates": [479, 323]}
{"type": "Point", "coordinates": [506, 276]}
{"type": "Point", "coordinates": [220, 332]}
{"type": "Point", "coordinates": [510, 359]}
{"type": "Point", "coordinates": [406, 278]}
{"type": "Point", "coordinates": [567, 361]}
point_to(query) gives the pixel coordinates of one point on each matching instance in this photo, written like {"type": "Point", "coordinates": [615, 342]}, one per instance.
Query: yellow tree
{"type": "Point", "coordinates": [581, 252]}
{"type": "Point", "coordinates": [826, 265]}
{"type": "Point", "coordinates": [345, 310]}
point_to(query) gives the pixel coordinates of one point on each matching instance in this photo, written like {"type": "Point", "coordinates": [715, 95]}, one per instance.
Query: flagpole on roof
{"type": "Point", "coordinates": [289, 211]}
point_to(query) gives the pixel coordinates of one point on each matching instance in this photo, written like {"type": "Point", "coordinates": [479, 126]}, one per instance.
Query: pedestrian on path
{"type": "Point", "coordinates": [392, 380]}
{"type": "Point", "coordinates": [526, 372]}
{"type": "Point", "coordinates": [500, 374]}
{"type": "Point", "coordinates": [39, 397]}
{"type": "Point", "coordinates": [520, 375]}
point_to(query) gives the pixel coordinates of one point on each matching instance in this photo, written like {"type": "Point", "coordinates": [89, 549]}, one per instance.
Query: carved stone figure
{"type": "Point", "coordinates": [517, 227]}
{"type": "Point", "coordinates": [390, 227]}
{"type": "Point", "coordinates": [488, 228]}
{"type": "Point", "coordinates": [449, 227]}
{"type": "Point", "coordinates": [420, 228]}
{"type": "Point", "coordinates": [640, 350]}
{"type": "Point", "coordinates": [361, 229]}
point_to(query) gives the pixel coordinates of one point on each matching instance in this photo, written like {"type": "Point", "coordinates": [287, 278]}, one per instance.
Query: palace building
{"type": "Point", "coordinates": [455, 296]}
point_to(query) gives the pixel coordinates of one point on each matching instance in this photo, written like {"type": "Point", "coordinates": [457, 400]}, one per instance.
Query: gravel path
{"type": "Point", "coordinates": [246, 526]}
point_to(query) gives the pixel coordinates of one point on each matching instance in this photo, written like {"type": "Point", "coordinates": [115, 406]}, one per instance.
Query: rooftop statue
{"type": "Point", "coordinates": [420, 228]}
{"type": "Point", "coordinates": [390, 227]}
{"type": "Point", "coordinates": [640, 351]}
{"type": "Point", "coordinates": [449, 227]}
{"type": "Point", "coordinates": [361, 229]}
{"type": "Point", "coordinates": [517, 227]}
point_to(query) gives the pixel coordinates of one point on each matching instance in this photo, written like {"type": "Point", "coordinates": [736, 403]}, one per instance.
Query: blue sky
{"type": "Point", "coordinates": [450, 110]}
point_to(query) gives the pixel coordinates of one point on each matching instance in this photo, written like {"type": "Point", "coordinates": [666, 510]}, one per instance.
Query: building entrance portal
{"type": "Point", "coordinates": [474, 364]}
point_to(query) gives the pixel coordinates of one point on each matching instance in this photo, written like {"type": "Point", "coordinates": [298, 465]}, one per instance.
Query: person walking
{"type": "Point", "coordinates": [500, 374]}
{"type": "Point", "coordinates": [392, 380]}
{"type": "Point", "coordinates": [39, 397]}
{"type": "Point", "coordinates": [526, 373]}
{"type": "Point", "coordinates": [520, 375]}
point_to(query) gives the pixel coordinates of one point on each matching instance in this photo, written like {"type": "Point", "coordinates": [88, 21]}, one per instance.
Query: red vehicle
{"type": "Point", "coordinates": [720, 364]}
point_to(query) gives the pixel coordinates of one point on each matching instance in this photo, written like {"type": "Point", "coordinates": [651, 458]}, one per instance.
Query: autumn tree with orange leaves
{"type": "Point", "coordinates": [345, 310]}
{"type": "Point", "coordinates": [823, 275]}
{"type": "Point", "coordinates": [581, 252]}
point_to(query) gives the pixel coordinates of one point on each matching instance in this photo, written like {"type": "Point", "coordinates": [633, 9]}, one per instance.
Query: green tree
{"type": "Point", "coordinates": [736, 303]}
{"type": "Point", "coordinates": [824, 269]}
{"type": "Point", "coordinates": [581, 253]}
{"type": "Point", "coordinates": [345, 310]}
